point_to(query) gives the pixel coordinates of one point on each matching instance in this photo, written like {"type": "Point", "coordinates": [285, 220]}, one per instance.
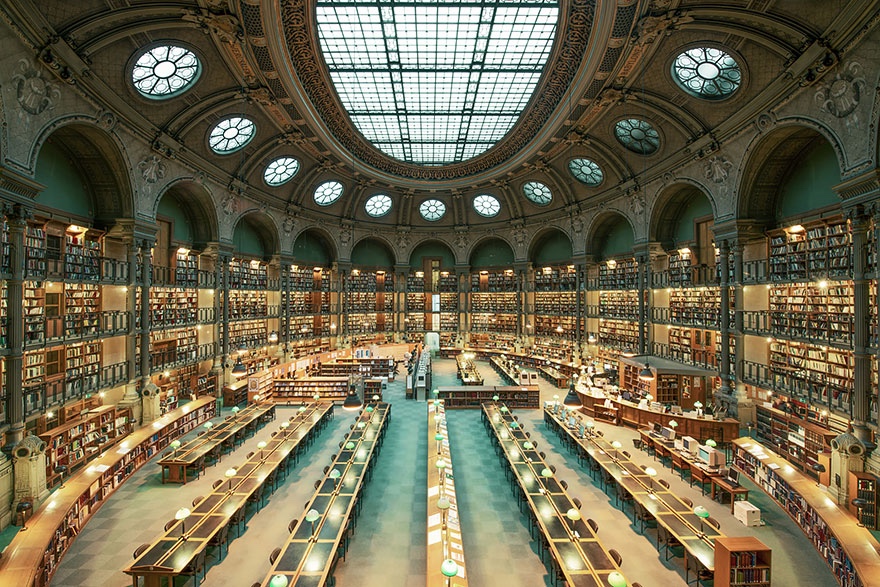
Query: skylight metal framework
{"type": "Point", "coordinates": [435, 83]}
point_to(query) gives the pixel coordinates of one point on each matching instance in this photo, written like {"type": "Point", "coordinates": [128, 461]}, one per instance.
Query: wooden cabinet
{"type": "Point", "coordinates": [474, 396]}
{"type": "Point", "coordinates": [236, 393]}
{"type": "Point", "coordinates": [303, 390]}
{"type": "Point", "coordinates": [864, 486]}
{"type": "Point", "coordinates": [741, 560]}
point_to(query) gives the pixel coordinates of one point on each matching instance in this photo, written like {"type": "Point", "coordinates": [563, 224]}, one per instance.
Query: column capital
{"type": "Point", "coordinates": [861, 188]}
{"type": "Point", "coordinates": [648, 251]}
{"type": "Point", "coordinates": [740, 231]}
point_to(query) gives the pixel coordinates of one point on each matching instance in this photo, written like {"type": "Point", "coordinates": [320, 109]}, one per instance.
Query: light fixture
{"type": "Point", "coordinates": [628, 353]}
{"type": "Point", "coordinates": [279, 581]}
{"type": "Point", "coordinates": [615, 579]}
{"type": "Point", "coordinates": [335, 475]}
{"type": "Point", "coordinates": [795, 228]}
{"type": "Point", "coordinates": [273, 337]}
{"type": "Point", "coordinates": [261, 445]}
{"type": "Point", "coordinates": [175, 445]}
{"type": "Point", "coordinates": [242, 349]}
{"type": "Point", "coordinates": [439, 438]}
{"type": "Point", "coordinates": [230, 473]}
{"type": "Point", "coordinates": [182, 514]}
{"type": "Point", "coordinates": [352, 401]}
{"type": "Point", "coordinates": [208, 425]}
{"type": "Point", "coordinates": [673, 424]}
{"type": "Point", "coordinates": [61, 469]}
{"type": "Point", "coordinates": [239, 368]}
{"type": "Point", "coordinates": [449, 568]}
{"type": "Point", "coordinates": [443, 504]}
{"type": "Point", "coordinates": [311, 517]}
{"type": "Point", "coordinates": [591, 338]}
{"type": "Point", "coordinates": [574, 515]}
{"type": "Point", "coordinates": [646, 374]}
{"type": "Point", "coordinates": [611, 263]}
{"type": "Point", "coordinates": [571, 398]}
{"type": "Point", "coordinates": [709, 442]}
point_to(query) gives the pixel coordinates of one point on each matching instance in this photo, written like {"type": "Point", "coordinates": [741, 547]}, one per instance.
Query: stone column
{"type": "Point", "coordinates": [861, 394]}
{"type": "Point", "coordinates": [16, 219]}
{"type": "Point", "coordinates": [724, 254]}
{"type": "Point", "coordinates": [131, 398]}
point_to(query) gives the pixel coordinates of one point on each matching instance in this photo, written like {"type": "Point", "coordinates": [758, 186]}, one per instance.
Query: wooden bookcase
{"type": "Point", "coordinates": [618, 274]}
{"type": "Point", "coordinates": [619, 304]}
{"type": "Point", "coordinates": [618, 334]}
{"type": "Point", "coordinates": [851, 551]}
{"type": "Point", "coordinates": [34, 313]}
{"type": "Point", "coordinates": [794, 434]}
{"type": "Point", "coordinates": [78, 441]}
{"type": "Point", "coordinates": [742, 560]}
{"type": "Point", "coordinates": [236, 393]}
{"type": "Point", "coordinates": [303, 390]}
{"type": "Point", "coordinates": [865, 486]}
{"type": "Point", "coordinates": [82, 307]}
{"type": "Point", "coordinates": [816, 311]}
{"type": "Point", "coordinates": [474, 396]}
{"type": "Point", "coordinates": [373, 386]}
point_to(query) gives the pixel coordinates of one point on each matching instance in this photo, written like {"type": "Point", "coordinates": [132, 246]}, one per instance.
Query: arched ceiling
{"type": "Point", "coordinates": [611, 61]}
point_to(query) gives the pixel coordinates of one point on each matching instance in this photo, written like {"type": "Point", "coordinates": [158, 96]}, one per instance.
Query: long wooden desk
{"type": "Point", "coordinates": [676, 517]}
{"type": "Point", "coordinates": [32, 557]}
{"type": "Point", "coordinates": [554, 376]}
{"type": "Point", "coordinates": [444, 528]}
{"type": "Point", "coordinates": [850, 550]}
{"type": "Point", "coordinates": [175, 466]}
{"type": "Point", "coordinates": [309, 555]}
{"type": "Point", "coordinates": [467, 371]}
{"type": "Point", "coordinates": [698, 472]}
{"type": "Point", "coordinates": [174, 551]}
{"type": "Point", "coordinates": [580, 557]}
{"type": "Point", "coordinates": [630, 414]}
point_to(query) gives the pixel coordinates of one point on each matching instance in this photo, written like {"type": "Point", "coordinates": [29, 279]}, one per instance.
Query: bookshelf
{"type": "Point", "coordinates": [82, 254]}
{"type": "Point", "coordinates": [820, 250]}
{"type": "Point", "coordinates": [851, 551]}
{"type": "Point", "coordinates": [825, 373]}
{"type": "Point", "coordinates": [618, 334]}
{"type": "Point", "coordinates": [556, 279]}
{"type": "Point", "coordinates": [742, 560]}
{"type": "Point", "coordinates": [619, 304]}
{"type": "Point", "coordinates": [236, 393]}
{"type": "Point", "coordinates": [35, 250]}
{"type": "Point", "coordinates": [82, 307]}
{"type": "Point", "coordinates": [680, 268]}
{"type": "Point", "coordinates": [473, 396]}
{"type": "Point", "coordinates": [616, 274]}
{"type": "Point", "coordinates": [76, 442]}
{"type": "Point", "coordinates": [494, 281]}
{"type": "Point", "coordinates": [556, 303]}
{"type": "Point", "coordinates": [247, 274]}
{"type": "Point", "coordinates": [82, 363]}
{"type": "Point", "coordinates": [373, 386]}
{"type": "Point", "coordinates": [34, 313]}
{"type": "Point", "coordinates": [204, 385]}
{"type": "Point", "coordinates": [813, 310]}
{"type": "Point", "coordinates": [186, 268]}
{"type": "Point", "coordinates": [791, 434]}
{"type": "Point", "coordinates": [696, 306]}
{"type": "Point", "coordinates": [4, 316]}
{"type": "Point", "coordinates": [304, 390]}
{"type": "Point", "coordinates": [864, 486]}
{"type": "Point", "coordinates": [173, 306]}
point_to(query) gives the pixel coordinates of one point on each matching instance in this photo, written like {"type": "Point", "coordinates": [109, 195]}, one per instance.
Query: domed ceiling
{"type": "Point", "coordinates": [430, 115]}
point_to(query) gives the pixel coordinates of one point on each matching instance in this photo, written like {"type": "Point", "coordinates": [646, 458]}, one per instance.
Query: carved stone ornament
{"type": "Point", "coordinates": [519, 237]}
{"type": "Point", "coordinates": [230, 205]}
{"type": "Point", "coordinates": [345, 236]}
{"type": "Point", "coordinates": [224, 26]}
{"type": "Point", "coordinates": [461, 241]}
{"type": "Point", "coordinates": [152, 168]}
{"type": "Point", "coordinates": [35, 93]}
{"type": "Point", "coordinates": [577, 226]}
{"type": "Point", "coordinates": [637, 204]}
{"type": "Point", "coordinates": [402, 240]}
{"type": "Point", "coordinates": [842, 95]}
{"type": "Point", "coordinates": [717, 168]}
{"type": "Point", "coordinates": [289, 224]}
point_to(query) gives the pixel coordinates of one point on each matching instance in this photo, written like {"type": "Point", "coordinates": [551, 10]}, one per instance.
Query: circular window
{"type": "Point", "coordinates": [538, 193]}
{"type": "Point", "coordinates": [487, 205]}
{"type": "Point", "coordinates": [586, 171]}
{"type": "Point", "coordinates": [165, 71]}
{"type": "Point", "coordinates": [378, 205]}
{"type": "Point", "coordinates": [637, 135]}
{"type": "Point", "coordinates": [432, 210]}
{"type": "Point", "coordinates": [328, 192]}
{"type": "Point", "coordinates": [280, 170]}
{"type": "Point", "coordinates": [706, 72]}
{"type": "Point", "coordinates": [231, 134]}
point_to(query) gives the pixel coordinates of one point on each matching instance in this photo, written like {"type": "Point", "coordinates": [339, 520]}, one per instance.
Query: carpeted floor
{"type": "Point", "coordinates": [388, 548]}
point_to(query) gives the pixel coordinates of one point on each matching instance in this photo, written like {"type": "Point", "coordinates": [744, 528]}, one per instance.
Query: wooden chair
{"type": "Point", "coordinates": [169, 524]}
{"type": "Point", "coordinates": [220, 538]}
{"type": "Point", "coordinates": [274, 555]}
{"type": "Point", "coordinates": [140, 550]}
{"type": "Point", "coordinates": [714, 523]}
{"type": "Point", "coordinates": [668, 542]}
{"type": "Point", "coordinates": [196, 566]}
{"type": "Point", "coordinates": [626, 454]}
{"type": "Point", "coordinates": [593, 524]}
{"type": "Point", "coordinates": [197, 500]}
{"type": "Point", "coordinates": [577, 503]}
{"type": "Point", "coordinates": [292, 525]}
{"type": "Point", "coordinates": [217, 484]}
{"type": "Point", "coordinates": [687, 501]}
{"type": "Point", "coordinates": [564, 484]}
{"type": "Point", "coordinates": [615, 556]}
{"type": "Point", "coordinates": [663, 482]}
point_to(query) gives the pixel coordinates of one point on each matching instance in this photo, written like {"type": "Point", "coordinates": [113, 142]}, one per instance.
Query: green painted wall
{"type": "Point", "coordinates": [434, 250]}
{"type": "Point", "coordinates": [698, 207]}
{"type": "Point", "coordinates": [555, 248]}
{"type": "Point", "coordinates": [809, 185]}
{"type": "Point", "coordinates": [310, 249]}
{"type": "Point", "coordinates": [618, 241]}
{"type": "Point", "coordinates": [247, 240]}
{"type": "Point", "coordinates": [371, 253]}
{"type": "Point", "coordinates": [65, 186]}
{"type": "Point", "coordinates": [180, 224]}
{"type": "Point", "coordinates": [493, 253]}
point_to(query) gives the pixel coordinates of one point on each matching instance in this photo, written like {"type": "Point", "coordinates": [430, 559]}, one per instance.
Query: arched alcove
{"type": "Point", "coordinates": [255, 235]}
{"type": "Point", "coordinates": [373, 253]}
{"type": "Point", "coordinates": [191, 212]}
{"type": "Point", "coordinates": [611, 236]}
{"type": "Point", "coordinates": [491, 252]}
{"type": "Point", "coordinates": [433, 250]}
{"type": "Point", "coordinates": [551, 247]}
{"type": "Point", "coordinates": [314, 247]}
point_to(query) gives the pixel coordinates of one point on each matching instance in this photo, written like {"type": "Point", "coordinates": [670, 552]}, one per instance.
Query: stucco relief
{"type": "Point", "coordinates": [840, 97]}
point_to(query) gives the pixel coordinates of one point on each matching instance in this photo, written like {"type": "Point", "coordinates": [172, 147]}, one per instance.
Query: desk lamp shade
{"type": "Point", "coordinates": [352, 400]}
{"type": "Point", "coordinates": [369, 409]}
{"type": "Point", "coordinates": [349, 445]}
{"type": "Point", "coordinates": [571, 398]}
{"type": "Point", "coordinates": [495, 398]}
{"type": "Point", "coordinates": [573, 514]}
{"type": "Point", "coordinates": [175, 445]}
{"type": "Point", "coordinates": [239, 368]}
{"type": "Point", "coordinates": [182, 514]}
{"type": "Point", "coordinates": [701, 512]}
{"type": "Point", "coordinates": [698, 404]}
{"type": "Point", "coordinates": [615, 579]}
{"type": "Point", "coordinates": [285, 425]}
{"type": "Point", "coordinates": [711, 443]}
{"type": "Point", "coordinates": [616, 444]}
{"type": "Point", "coordinates": [514, 424]}
{"type": "Point", "coordinates": [528, 445]}
{"type": "Point", "coordinates": [273, 336]}
{"type": "Point", "coordinates": [208, 425]}
{"type": "Point", "coordinates": [312, 516]}
{"type": "Point", "coordinates": [449, 568]}
{"type": "Point", "coordinates": [503, 409]}
{"type": "Point", "coordinates": [440, 464]}
{"type": "Point", "coordinates": [316, 397]}
{"type": "Point", "coordinates": [443, 504]}
{"type": "Point", "coordinates": [651, 471]}
{"type": "Point", "coordinates": [335, 475]}
{"type": "Point", "coordinates": [436, 392]}
{"type": "Point", "coordinates": [646, 374]}
{"type": "Point", "coordinates": [545, 472]}
{"type": "Point", "coordinates": [376, 397]}
{"type": "Point", "coordinates": [361, 425]}
{"type": "Point", "coordinates": [302, 408]}
{"type": "Point", "coordinates": [673, 424]}
{"type": "Point", "coordinates": [235, 410]}
{"type": "Point", "coordinates": [261, 445]}
{"type": "Point", "coordinates": [278, 581]}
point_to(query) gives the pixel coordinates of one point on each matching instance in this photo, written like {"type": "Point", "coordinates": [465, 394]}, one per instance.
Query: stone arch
{"type": "Point", "coordinates": [768, 160]}
{"type": "Point", "coordinates": [100, 157]}
{"type": "Point", "coordinates": [195, 200]}
{"type": "Point", "coordinates": [489, 240]}
{"type": "Point", "coordinates": [543, 236]}
{"type": "Point", "coordinates": [265, 227]}
{"type": "Point", "coordinates": [322, 236]}
{"type": "Point", "coordinates": [601, 226]}
{"type": "Point", "coordinates": [381, 241]}
{"type": "Point", "coordinates": [668, 206]}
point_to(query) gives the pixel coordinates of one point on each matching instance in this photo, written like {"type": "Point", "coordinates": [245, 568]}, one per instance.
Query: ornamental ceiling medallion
{"type": "Point", "coordinates": [574, 28]}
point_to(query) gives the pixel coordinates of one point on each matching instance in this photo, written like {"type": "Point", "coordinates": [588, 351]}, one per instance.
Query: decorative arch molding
{"type": "Point", "coordinates": [100, 153]}
{"type": "Point", "coordinates": [600, 223]}
{"type": "Point", "coordinates": [541, 236]}
{"type": "Point", "coordinates": [485, 239]}
{"type": "Point", "coordinates": [263, 221]}
{"type": "Point", "coordinates": [322, 234]}
{"type": "Point", "coordinates": [433, 240]}
{"type": "Point", "coordinates": [383, 240]}
{"type": "Point", "coordinates": [768, 158]}
{"type": "Point", "coordinates": [197, 201]}
{"type": "Point", "coordinates": [668, 203]}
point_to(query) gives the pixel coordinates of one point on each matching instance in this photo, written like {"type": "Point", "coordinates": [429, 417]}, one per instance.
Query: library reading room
{"type": "Point", "coordinates": [612, 265]}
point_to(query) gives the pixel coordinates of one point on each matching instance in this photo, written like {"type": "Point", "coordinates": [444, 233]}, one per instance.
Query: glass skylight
{"type": "Point", "coordinates": [280, 170]}
{"type": "Point", "coordinates": [432, 210]}
{"type": "Point", "coordinates": [378, 205]}
{"type": "Point", "coordinates": [435, 83]}
{"type": "Point", "coordinates": [165, 71]}
{"type": "Point", "coordinates": [328, 192]}
{"type": "Point", "coordinates": [707, 73]}
{"type": "Point", "coordinates": [231, 134]}
{"type": "Point", "coordinates": [586, 171]}
{"type": "Point", "coordinates": [538, 193]}
{"type": "Point", "coordinates": [637, 135]}
{"type": "Point", "coordinates": [487, 205]}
